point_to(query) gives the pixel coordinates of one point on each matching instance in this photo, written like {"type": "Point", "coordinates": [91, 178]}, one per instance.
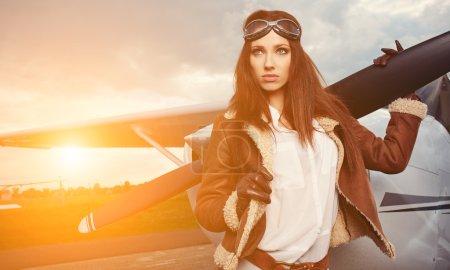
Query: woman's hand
{"type": "Point", "coordinates": [383, 60]}
{"type": "Point", "coordinates": [388, 54]}
{"type": "Point", "coordinates": [255, 186]}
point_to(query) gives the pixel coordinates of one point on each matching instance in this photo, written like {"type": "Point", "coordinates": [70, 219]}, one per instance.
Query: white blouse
{"type": "Point", "coordinates": [304, 201]}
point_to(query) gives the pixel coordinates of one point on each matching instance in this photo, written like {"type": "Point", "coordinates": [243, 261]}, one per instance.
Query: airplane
{"type": "Point", "coordinates": [413, 205]}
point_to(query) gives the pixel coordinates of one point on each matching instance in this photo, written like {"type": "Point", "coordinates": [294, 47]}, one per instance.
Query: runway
{"type": "Point", "coordinates": [186, 258]}
{"type": "Point", "coordinates": [174, 250]}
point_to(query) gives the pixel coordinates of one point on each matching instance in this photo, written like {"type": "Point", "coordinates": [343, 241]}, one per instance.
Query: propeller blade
{"type": "Point", "coordinates": [144, 196]}
{"type": "Point", "coordinates": [375, 87]}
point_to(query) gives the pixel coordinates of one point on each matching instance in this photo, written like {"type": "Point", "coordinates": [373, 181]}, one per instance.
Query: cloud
{"type": "Point", "coordinates": [64, 61]}
{"type": "Point", "coordinates": [412, 9]}
{"type": "Point", "coordinates": [107, 57]}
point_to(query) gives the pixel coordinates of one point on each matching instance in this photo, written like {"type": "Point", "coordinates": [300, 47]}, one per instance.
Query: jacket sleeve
{"type": "Point", "coordinates": [391, 154]}
{"type": "Point", "coordinates": [216, 202]}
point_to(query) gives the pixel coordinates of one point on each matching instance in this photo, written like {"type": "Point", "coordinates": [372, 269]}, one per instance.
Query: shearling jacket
{"type": "Point", "coordinates": [237, 148]}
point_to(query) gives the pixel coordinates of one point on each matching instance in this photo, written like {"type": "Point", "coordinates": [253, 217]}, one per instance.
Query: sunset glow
{"type": "Point", "coordinates": [64, 62]}
{"type": "Point", "coordinates": [69, 158]}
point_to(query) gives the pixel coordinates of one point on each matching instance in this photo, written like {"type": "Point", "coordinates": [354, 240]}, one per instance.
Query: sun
{"type": "Point", "coordinates": [69, 157]}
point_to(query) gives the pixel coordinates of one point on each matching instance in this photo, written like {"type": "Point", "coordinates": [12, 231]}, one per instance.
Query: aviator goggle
{"type": "Point", "coordinates": [283, 27]}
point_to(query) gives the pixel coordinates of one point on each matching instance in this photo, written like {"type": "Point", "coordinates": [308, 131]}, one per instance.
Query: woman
{"type": "Point", "coordinates": [285, 172]}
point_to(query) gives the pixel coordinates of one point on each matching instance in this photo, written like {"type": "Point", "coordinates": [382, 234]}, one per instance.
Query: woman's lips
{"type": "Point", "coordinates": [270, 77]}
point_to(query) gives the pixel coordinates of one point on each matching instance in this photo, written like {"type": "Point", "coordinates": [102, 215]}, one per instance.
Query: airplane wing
{"type": "Point", "coordinates": [364, 92]}
{"type": "Point", "coordinates": [167, 127]}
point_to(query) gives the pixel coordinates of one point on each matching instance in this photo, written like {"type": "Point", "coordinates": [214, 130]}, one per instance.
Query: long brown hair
{"type": "Point", "coordinates": [305, 97]}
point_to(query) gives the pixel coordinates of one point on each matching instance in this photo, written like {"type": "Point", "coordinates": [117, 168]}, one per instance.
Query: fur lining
{"type": "Point", "coordinates": [327, 124]}
{"type": "Point", "coordinates": [341, 152]}
{"type": "Point", "coordinates": [255, 212]}
{"type": "Point", "coordinates": [390, 248]}
{"type": "Point", "coordinates": [263, 141]}
{"type": "Point", "coordinates": [404, 105]}
{"type": "Point", "coordinates": [229, 114]}
{"type": "Point", "coordinates": [339, 235]}
{"type": "Point", "coordinates": [229, 212]}
{"type": "Point", "coordinates": [225, 259]}
{"type": "Point", "coordinates": [390, 252]}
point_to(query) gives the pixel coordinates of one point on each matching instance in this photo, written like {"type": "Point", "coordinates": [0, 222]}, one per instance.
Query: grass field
{"type": "Point", "coordinates": [49, 221]}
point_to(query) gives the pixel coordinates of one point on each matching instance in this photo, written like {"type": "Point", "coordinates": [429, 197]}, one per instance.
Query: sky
{"type": "Point", "coordinates": [65, 61]}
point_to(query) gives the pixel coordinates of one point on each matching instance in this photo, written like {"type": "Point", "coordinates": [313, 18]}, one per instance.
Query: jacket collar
{"type": "Point", "coordinates": [263, 139]}
{"type": "Point", "coordinates": [328, 124]}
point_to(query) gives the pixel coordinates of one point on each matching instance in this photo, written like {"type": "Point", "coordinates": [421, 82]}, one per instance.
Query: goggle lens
{"type": "Point", "coordinates": [288, 26]}
{"type": "Point", "coordinates": [284, 27]}
{"type": "Point", "coordinates": [255, 27]}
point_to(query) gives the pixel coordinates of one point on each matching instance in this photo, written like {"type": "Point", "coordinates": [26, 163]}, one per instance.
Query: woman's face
{"type": "Point", "coordinates": [270, 59]}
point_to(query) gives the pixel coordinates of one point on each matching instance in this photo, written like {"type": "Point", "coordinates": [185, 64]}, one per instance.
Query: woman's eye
{"type": "Point", "coordinates": [257, 52]}
{"type": "Point", "coordinates": [282, 51]}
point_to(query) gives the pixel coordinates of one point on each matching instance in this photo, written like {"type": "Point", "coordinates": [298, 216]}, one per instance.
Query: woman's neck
{"type": "Point", "coordinates": [276, 99]}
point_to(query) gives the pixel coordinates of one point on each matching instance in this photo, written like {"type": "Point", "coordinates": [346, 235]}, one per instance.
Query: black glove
{"type": "Point", "coordinates": [254, 186]}
{"type": "Point", "coordinates": [388, 54]}
{"type": "Point", "coordinates": [383, 60]}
